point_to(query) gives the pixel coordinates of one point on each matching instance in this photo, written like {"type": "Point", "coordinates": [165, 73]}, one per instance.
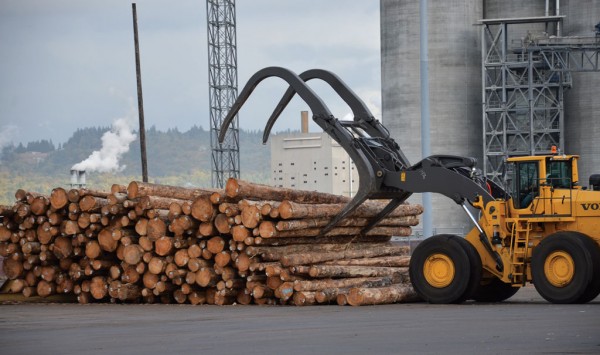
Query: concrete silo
{"type": "Point", "coordinates": [582, 103]}
{"type": "Point", "coordinates": [454, 82]}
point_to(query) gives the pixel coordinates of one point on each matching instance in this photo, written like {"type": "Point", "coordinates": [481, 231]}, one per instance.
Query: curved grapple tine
{"type": "Point", "coordinates": [308, 95]}
{"type": "Point", "coordinates": [358, 107]}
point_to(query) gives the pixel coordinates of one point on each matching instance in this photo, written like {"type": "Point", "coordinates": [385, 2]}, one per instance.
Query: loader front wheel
{"type": "Point", "coordinates": [440, 270]}
{"type": "Point", "coordinates": [562, 267]}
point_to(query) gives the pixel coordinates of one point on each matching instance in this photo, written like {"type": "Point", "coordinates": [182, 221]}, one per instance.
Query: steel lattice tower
{"type": "Point", "coordinates": [222, 81]}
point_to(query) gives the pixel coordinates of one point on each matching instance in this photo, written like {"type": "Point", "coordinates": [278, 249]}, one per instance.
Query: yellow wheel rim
{"type": "Point", "coordinates": [559, 268]}
{"type": "Point", "coordinates": [439, 270]}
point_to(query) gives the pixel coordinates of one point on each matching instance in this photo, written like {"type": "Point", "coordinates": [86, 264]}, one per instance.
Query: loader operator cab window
{"type": "Point", "coordinates": [525, 183]}
{"type": "Point", "coordinates": [559, 174]}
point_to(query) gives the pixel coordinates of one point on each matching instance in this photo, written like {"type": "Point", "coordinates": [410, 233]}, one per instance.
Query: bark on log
{"type": "Point", "coordinates": [343, 231]}
{"type": "Point", "coordinates": [382, 295]}
{"type": "Point", "coordinates": [138, 189]}
{"type": "Point", "coordinates": [390, 261]}
{"type": "Point", "coordinates": [305, 258]}
{"type": "Point", "coordinates": [315, 285]}
{"type": "Point", "coordinates": [240, 189]}
{"type": "Point", "coordinates": [357, 271]}
{"type": "Point", "coordinates": [289, 210]}
{"type": "Point", "coordinates": [58, 198]}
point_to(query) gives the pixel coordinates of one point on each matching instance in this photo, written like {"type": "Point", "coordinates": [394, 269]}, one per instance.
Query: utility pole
{"type": "Point", "coordinates": [140, 96]}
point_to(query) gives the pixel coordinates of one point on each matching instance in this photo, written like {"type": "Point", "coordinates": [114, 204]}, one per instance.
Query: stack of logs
{"type": "Point", "coordinates": [248, 243]}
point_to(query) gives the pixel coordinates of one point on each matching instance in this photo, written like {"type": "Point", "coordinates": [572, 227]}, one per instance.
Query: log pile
{"type": "Point", "coordinates": [245, 244]}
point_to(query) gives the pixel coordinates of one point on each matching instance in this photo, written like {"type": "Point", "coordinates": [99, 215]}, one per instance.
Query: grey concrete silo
{"type": "Point", "coordinates": [455, 86]}
{"type": "Point", "coordinates": [582, 101]}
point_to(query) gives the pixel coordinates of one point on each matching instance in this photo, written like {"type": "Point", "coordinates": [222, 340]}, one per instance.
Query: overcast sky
{"type": "Point", "coordinates": [66, 64]}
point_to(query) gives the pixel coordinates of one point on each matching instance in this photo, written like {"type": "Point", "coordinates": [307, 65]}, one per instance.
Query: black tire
{"type": "Point", "coordinates": [593, 289]}
{"type": "Point", "coordinates": [570, 250]}
{"type": "Point", "coordinates": [494, 290]}
{"type": "Point", "coordinates": [476, 266]}
{"type": "Point", "coordinates": [433, 254]}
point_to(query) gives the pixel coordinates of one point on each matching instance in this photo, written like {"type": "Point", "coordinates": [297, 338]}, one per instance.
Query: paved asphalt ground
{"type": "Point", "coordinates": [524, 324]}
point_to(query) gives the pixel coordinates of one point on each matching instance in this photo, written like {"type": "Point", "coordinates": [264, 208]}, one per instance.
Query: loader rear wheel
{"type": "Point", "coordinates": [562, 267]}
{"type": "Point", "coordinates": [593, 289]}
{"type": "Point", "coordinates": [494, 290]}
{"type": "Point", "coordinates": [440, 270]}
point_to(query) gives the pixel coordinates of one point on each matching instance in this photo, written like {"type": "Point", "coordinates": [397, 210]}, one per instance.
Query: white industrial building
{"type": "Point", "coordinates": [312, 161]}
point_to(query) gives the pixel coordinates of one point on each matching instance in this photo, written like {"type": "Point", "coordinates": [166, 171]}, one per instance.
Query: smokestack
{"type": "Point", "coordinates": [304, 117]}
{"type": "Point", "coordinates": [77, 178]}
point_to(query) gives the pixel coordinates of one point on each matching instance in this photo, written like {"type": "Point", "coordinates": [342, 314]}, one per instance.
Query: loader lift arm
{"type": "Point", "coordinates": [383, 169]}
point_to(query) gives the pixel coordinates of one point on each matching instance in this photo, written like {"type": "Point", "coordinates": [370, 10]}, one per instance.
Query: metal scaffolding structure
{"type": "Point", "coordinates": [222, 81]}
{"type": "Point", "coordinates": [523, 89]}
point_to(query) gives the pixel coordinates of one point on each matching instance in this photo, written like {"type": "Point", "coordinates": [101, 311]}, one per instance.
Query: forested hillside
{"type": "Point", "coordinates": [174, 157]}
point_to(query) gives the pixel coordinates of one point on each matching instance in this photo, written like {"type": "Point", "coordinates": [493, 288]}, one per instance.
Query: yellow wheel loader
{"type": "Point", "coordinates": [543, 229]}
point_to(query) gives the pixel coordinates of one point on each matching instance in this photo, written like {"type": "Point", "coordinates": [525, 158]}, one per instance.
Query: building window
{"type": "Point", "coordinates": [280, 164]}
{"type": "Point", "coordinates": [291, 163]}
{"type": "Point", "coordinates": [326, 174]}
{"type": "Point", "coordinates": [343, 180]}
{"type": "Point", "coordinates": [293, 177]}
{"type": "Point", "coordinates": [335, 174]}
{"type": "Point", "coordinates": [306, 182]}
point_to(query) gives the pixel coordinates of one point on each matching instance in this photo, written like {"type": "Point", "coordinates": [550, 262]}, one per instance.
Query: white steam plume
{"type": "Point", "coordinates": [115, 143]}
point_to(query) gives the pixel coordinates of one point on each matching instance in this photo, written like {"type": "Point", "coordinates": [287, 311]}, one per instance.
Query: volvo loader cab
{"type": "Point", "coordinates": [544, 228]}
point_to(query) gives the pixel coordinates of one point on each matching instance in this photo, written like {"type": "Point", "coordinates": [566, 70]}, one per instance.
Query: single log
{"type": "Point", "coordinates": [141, 226]}
{"type": "Point", "coordinates": [181, 258]}
{"type": "Point", "coordinates": [251, 216]}
{"type": "Point", "coordinates": [118, 188]}
{"type": "Point", "coordinates": [223, 258]}
{"type": "Point", "coordinates": [337, 239]}
{"type": "Point", "coordinates": [215, 245]}
{"type": "Point", "coordinates": [163, 246]}
{"type": "Point", "coordinates": [289, 210]}
{"type": "Point", "coordinates": [236, 188]}
{"type": "Point", "coordinates": [163, 203]}
{"type": "Point", "coordinates": [390, 261]}
{"type": "Point", "coordinates": [45, 288]}
{"type": "Point", "coordinates": [202, 209]}
{"type": "Point", "coordinates": [304, 298]}
{"type": "Point", "coordinates": [155, 229]}
{"type": "Point", "coordinates": [298, 224]}
{"type": "Point", "coordinates": [98, 287]}
{"type": "Point", "coordinates": [13, 269]}
{"type": "Point", "coordinates": [242, 262]}
{"type": "Point", "coordinates": [240, 233]}
{"type": "Point", "coordinates": [312, 258]}
{"type": "Point", "coordinates": [91, 203]}
{"type": "Point", "coordinates": [69, 227]}
{"type": "Point", "coordinates": [58, 198]}
{"type": "Point", "coordinates": [138, 189]}
{"type": "Point", "coordinates": [382, 295]}
{"type": "Point", "coordinates": [271, 253]}
{"type": "Point", "coordinates": [285, 291]}
{"type": "Point", "coordinates": [106, 241]}
{"type": "Point", "coordinates": [207, 229]}
{"type": "Point", "coordinates": [315, 285]}
{"type": "Point", "coordinates": [39, 206]}
{"type": "Point", "coordinates": [357, 271]}
{"type": "Point", "coordinates": [243, 297]}
{"type": "Point", "coordinates": [222, 223]}
{"type": "Point", "coordinates": [206, 277]}
{"type": "Point", "coordinates": [345, 231]}
{"type": "Point", "coordinates": [132, 254]}
{"type": "Point", "coordinates": [63, 248]}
